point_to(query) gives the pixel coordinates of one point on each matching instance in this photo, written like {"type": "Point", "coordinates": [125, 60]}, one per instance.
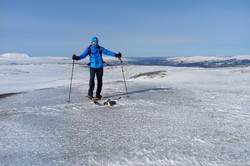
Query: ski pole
{"type": "Point", "coordinates": [71, 79]}
{"type": "Point", "coordinates": [124, 77]}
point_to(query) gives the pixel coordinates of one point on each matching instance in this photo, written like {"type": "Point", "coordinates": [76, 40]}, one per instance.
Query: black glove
{"type": "Point", "coordinates": [74, 57]}
{"type": "Point", "coordinates": [119, 55]}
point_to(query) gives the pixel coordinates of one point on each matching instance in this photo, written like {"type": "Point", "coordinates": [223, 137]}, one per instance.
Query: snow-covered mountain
{"type": "Point", "coordinates": [24, 59]}
{"type": "Point", "coordinates": [210, 62]}
{"type": "Point", "coordinates": [195, 61]}
{"type": "Point", "coordinates": [15, 56]}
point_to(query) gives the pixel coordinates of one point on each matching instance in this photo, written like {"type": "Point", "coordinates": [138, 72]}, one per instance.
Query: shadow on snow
{"type": "Point", "coordinates": [139, 91]}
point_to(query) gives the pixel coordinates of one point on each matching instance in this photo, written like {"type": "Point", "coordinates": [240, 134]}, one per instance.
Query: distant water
{"type": "Point", "coordinates": [159, 61]}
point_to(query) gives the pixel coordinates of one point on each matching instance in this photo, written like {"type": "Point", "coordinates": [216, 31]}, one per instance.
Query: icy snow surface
{"type": "Point", "coordinates": [176, 116]}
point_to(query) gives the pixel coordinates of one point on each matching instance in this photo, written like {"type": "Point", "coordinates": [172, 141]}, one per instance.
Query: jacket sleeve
{"type": "Point", "coordinates": [84, 54]}
{"type": "Point", "coordinates": [107, 52]}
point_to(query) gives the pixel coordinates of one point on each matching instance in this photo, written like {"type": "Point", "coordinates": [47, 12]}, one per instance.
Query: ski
{"type": "Point", "coordinates": [95, 101]}
{"type": "Point", "coordinates": [102, 98]}
{"type": "Point", "coordinates": [106, 98]}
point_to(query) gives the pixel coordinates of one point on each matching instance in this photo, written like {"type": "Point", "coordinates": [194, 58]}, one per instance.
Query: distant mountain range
{"type": "Point", "coordinates": [194, 61]}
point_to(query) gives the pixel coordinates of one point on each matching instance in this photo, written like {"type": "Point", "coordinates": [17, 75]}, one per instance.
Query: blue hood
{"type": "Point", "coordinates": [94, 39]}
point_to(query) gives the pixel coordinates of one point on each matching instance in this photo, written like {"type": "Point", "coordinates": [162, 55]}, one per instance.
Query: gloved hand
{"type": "Point", "coordinates": [119, 55]}
{"type": "Point", "coordinates": [74, 57]}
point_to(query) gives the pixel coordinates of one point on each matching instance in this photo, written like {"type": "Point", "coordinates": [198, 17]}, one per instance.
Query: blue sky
{"type": "Point", "coordinates": [133, 27]}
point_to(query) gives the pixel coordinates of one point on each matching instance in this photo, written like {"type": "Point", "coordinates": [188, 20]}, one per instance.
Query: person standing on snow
{"type": "Point", "coordinates": [96, 65]}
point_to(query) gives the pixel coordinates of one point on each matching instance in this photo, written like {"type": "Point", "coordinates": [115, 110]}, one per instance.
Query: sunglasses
{"type": "Point", "coordinates": [94, 42]}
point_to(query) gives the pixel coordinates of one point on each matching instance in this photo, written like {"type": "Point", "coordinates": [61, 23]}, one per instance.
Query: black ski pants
{"type": "Point", "coordinates": [98, 73]}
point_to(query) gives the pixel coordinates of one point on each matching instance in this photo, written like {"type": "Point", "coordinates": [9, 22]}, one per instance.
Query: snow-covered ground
{"type": "Point", "coordinates": [174, 116]}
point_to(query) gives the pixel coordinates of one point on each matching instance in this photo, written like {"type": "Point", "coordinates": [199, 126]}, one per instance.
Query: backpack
{"type": "Point", "coordinates": [100, 51]}
{"type": "Point", "coordinates": [99, 48]}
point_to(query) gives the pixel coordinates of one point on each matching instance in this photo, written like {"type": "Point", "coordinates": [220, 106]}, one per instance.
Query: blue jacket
{"type": "Point", "coordinates": [95, 57]}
